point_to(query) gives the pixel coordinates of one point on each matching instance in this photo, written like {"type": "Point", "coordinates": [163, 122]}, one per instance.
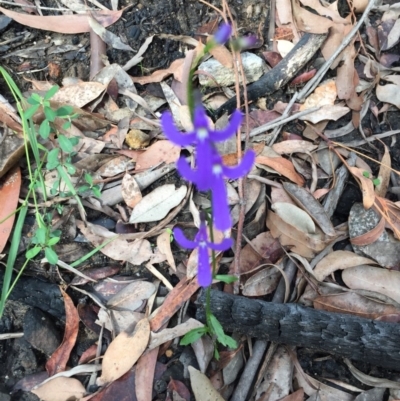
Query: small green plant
{"type": "Point", "coordinates": [57, 159]}
{"type": "Point", "coordinates": [375, 181]}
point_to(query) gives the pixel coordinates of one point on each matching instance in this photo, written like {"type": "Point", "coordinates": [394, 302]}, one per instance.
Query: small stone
{"type": "Point", "coordinates": [137, 139]}
{"type": "Point", "coordinates": [254, 67]}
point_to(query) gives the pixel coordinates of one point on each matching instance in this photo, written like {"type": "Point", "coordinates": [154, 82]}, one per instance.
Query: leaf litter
{"type": "Point", "coordinates": [360, 278]}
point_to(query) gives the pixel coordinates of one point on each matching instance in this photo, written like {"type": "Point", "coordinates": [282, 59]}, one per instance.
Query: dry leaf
{"type": "Point", "coordinates": [130, 191]}
{"type": "Point", "coordinates": [156, 205]}
{"type": "Point", "coordinates": [164, 246]}
{"type": "Point", "coordinates": [58, 361]}
{"type": "Point", "coordinates": [202, 388]}
{"type": "Point", "coordinates": [123, 352]}
{"type": "Point", "coordinates": [161, 151]}
{"type": "Point", "coordinates": [309, 22]}
{"type": "Point", "coordinates": [132, 296]}
{"type": "Point", "coordinates": [10, 186]}
{"type": "Point", "coordinates": [375, 279]}
{"type": "Point", "coordinates": [79, 94]}
{"type": "Point", "coordinates": [160, 75]}
{"type": "Point", "coordinates": [324, 95]}
{"type": "Point", "coordinates": [383, 175]}
{"type": "Point", "coordinates": [354, 304]}
{"type": "Point", "coordinates": [60, 389]}
{"type": "Point", "coordinates": [367, 187]}
{"type": "Point", "coordinates": [294, 216]}
{"type": "Point", "coordinates": [145, 375]}
{"type": "Point", "coordinates": [388, 93]}
{"type": "Point", "coordinates": [293, 146]}
{"type": "Point", "coordinates": [282, 166]}
{"type": "Point", "coordinates": [338, 260]}
{"type": "Point", "coordinates": [262, 283]}
{"type": "Point", "coordinates": [77, 23]}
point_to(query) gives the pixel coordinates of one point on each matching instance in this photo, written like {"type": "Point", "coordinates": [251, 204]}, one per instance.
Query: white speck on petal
{"type": "Point", "coordinates": [202, 133]}
{"type": "Point", "coordinates": [217, 169]}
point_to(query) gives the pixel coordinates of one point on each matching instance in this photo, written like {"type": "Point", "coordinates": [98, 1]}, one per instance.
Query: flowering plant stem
{"type": "Point", "coordinates": [209, 175]}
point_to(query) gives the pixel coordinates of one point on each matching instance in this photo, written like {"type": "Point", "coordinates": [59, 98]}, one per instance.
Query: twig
{"type": "Point", "coordinates": [311, 85]}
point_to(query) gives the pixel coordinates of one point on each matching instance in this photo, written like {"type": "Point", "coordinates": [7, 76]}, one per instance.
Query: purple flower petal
{"type": "Point", "coordinates": [203, 269]}
{"type": "Point", "coordinates": [186, 171]}
{"type": "Point", "coordinates": [200, 119]}
{"type": "Point", "coordinates": [221, 211]}
{"type": "Point", "coordinates": [204, 161]}
{"type": "Point", "coordinates": [241, 169]}
{"type": "Point", "coordinates": [223, 34]}
{"type": "Point", "coordinates": [173, 134]}
{"type": "Point", "coordinates": [229, 130]}
{"type": "Point", "coordinates": [182, 240]}
{"type": "Point", "coordinates": [222, 246]}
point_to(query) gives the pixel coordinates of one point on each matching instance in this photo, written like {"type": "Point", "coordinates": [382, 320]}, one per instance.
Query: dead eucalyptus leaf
{"type": "Point", "coordinates": [60, 389]}
{"type": "Point", "coordinates": [123, 352]}
{"type": "Point", "coordinates": [304, 199]}
{"type": "Point", "coordinates": [367, 187]}
{"type": "Point", "coordinates": [375, 279]}
{"type": "Point", "coordinates": [202, 387]}
{"type": "Point", "coordinates": [156, 205]}
{"type": "Point", "coordinates": [164, 246]}
{"type": "Point", "coordinates": [132, 296]}
{"type": "Point", "coordinates": [294, 216]}
{"type": "Point", "coordinates": [130, 190]}
{"type": "Point", "coordinates": [384, 174]}
{"type": "Point", "coordinates": [339, 260]}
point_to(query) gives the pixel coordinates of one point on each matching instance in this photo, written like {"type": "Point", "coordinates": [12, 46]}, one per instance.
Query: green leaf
{"type": "Point", "coordinates": [216, 326]}
{"type": "Point", "coordinates": [88, 179]}
{"type": "Point", "coordinates": [96, 191]}
{"type": "Point", "coordinates": [34, 99]}
{"type": "Point", "coordinates": [55, 233]}
{"type": "Point", "coordinates": [376, 181]}
{"type": "Point", "coordinates": [52, 159]}
{"type": "Point", "coordinates": [31, 253]}
{"type": "Point", "coordinates": [40, 235]}
{"type": "Point", "coordinates": [75, 140]}
{"type": "Point", "coordinates": [51, 92]}
{"type": "Point", "coordinates": [64, 111]}
{"type": "Point", "coordinates": [193, 335]}
{"type": "Point", "coordinates": [216, 353]}
{"type": "Point", "coordinates": [53, 241]}
{"type": "Point", "coordinates": [83, 188]}
{"type": "Point", "coordinates": [226, 278]}
{"type": "Point", "coordinates": [65, 144]}
{"type": "Point", "coordinates": [366, 174]}
{"type": "Point", "coordinates": [227, 341]}
{"type": "Point", "coordinates": [44, 129]}
{"type": "Point", "coordinates": [51, 256]}
{"type": "Point", "coordinates": [70, 168]}
{"type": "Point", "coordinates": [66, 125]}
{"type": "Point", "coordinates": [50, 114]}
{"type": "Point", "coordinates": [29, 112]}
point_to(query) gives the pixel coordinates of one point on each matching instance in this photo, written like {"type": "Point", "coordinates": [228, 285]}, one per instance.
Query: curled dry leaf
{"type": "Point", "coordinates": [375, 279]}
{"type": "Point", "coordinates": [156, 205]}
{"type": "Point", "coordinates": [367, 187]}
{"type": "Point", "coordinates": [384, 174]}
{"type": "Point", "coordinates": [293, 215]}
{"type": "Point", "coordinates": [123, 352]}
{"type": "Point", "coordinates": [304, 199]}
{"type": "Point", "coordinates": [262, 283]}
{"type": "Point", "coordinates": [61, 389]}
{"type": "Point", "coordinates": [58, 361]}
{"type": "Point", "coordinates": [130, 191]}
{"type": "Point", "coordinates": [389, 94]}
{"type": "Point", "coordinates": [339, 260]}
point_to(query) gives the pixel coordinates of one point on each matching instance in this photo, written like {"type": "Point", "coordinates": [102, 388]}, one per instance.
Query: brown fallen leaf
{"type": "Point", "coordinates": [367, 186]}
{"type": "Point", "coordinates": [354, 304]}
{"type": "Point", "coordinates": [386, 282]}
{"type": "Point", "coordinates": [145, 375]}
{"type": "Point", "coordinates": [281, 166]}
{"type": "Point", "coordinates": [164, 245]}
{"type": "Point", "coordinates": [10, 186]}
{"type": "Point", "coordinates": [61, 389]}
{"type": "Point", "coordinates": [263, 282]}
{"type": "Point", "coordinates": [309, 22]}
{"type": "Point", "coordinates": [161, 151]}
{"type": "Point", "coordinates": [339, 260]}
{"type": "Point", "coordinates": [202, 388]}
{"type": "Point", "coordinates": [79, 94]}
{"type": "Point", "coordinates": [75, 23]}
{"type": "Point", "coordinates": [58, 361]}
{"type": "Point", "coordinates": [160, 75]}
{"type": "Point", "coordinates": [384, 174]}
{"type": "Point", "coordinates": [305, 200]}
{"type": "Point", "coordinates": [180, 294]}
{"type": "Point", "coordinates": [130, 191]}
{"type": "Point", "coordinates": [293, 146]}
{"type": "Point", "coordinates": [123, 352]}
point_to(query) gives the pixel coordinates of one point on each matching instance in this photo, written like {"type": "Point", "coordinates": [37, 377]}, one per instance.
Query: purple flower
{"type": "Point", "coordinates": [223, 34]}
{"type": "Point", "coordinates": [202, 243]}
